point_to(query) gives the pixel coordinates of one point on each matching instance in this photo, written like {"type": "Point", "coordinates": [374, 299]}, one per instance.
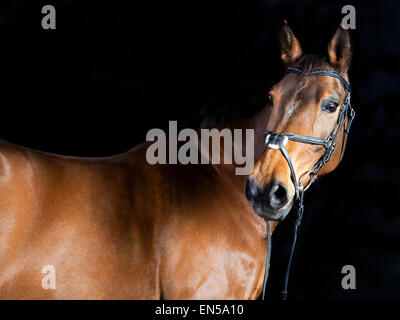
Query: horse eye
{"type": "Point", "coordinates": [331, 107]}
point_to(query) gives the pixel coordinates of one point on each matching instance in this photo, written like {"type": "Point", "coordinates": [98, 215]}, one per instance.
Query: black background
{"type": "Point", "coordinates": [112, 70]}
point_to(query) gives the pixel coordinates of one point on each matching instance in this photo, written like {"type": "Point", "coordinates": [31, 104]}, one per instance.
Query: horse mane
{"type": "Point", "coordinates": [240, 102]}
{"type": "Point", "coordinates": [246, 99]}
{"type": "Point", "coordinates": [309, 62]}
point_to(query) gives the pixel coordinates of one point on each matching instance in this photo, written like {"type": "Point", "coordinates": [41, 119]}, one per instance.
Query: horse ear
{"type": "Point", "coordinates": [290, 46]}
{"type": "Point", "coordinates": [339, 50]}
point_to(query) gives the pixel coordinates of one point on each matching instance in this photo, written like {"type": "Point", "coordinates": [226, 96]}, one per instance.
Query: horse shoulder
{"type": "Point", "coordinates": [213, 244]}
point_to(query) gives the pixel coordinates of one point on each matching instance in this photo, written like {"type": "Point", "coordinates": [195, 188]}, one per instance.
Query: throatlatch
{"type": "Point", "coordinates": [278, 140]}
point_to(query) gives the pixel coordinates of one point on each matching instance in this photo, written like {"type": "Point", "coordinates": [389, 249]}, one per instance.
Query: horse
{"type": "Point", "coordinates": [120, 228]}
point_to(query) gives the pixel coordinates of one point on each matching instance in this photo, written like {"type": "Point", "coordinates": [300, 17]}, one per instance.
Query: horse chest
{"type": "Point", "coordinates": [214, 263]}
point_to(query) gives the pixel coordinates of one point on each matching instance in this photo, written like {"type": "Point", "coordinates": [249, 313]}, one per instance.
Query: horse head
{"type": "Point", "coordinates": [310, 115]}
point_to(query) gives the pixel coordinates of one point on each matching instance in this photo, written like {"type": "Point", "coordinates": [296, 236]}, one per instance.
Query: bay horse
{"type": "Point", "coordinates": [120, 228]}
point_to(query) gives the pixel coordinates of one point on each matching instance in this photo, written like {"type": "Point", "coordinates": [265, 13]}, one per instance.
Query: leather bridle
{"type": "Point", "coordinates": [277, 140]}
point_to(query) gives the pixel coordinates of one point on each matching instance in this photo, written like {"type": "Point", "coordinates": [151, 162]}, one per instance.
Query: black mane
{"type": "Point", "coordinates": [246, 99]}
{"type": "Point", "coordinates": [238, 103]}
{"type": "Point", "coordinates": [309, 62]}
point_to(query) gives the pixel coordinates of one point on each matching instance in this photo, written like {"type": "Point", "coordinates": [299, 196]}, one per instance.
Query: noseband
{"type": "Point", "coordinates": [278, 140]}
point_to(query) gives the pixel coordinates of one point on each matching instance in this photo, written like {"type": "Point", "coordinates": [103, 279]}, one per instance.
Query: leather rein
{"type": "Point", "coordinates": [277, 140]}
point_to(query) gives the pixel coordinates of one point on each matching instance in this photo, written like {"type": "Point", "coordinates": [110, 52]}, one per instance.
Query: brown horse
{"type": "Point", "coordinates": [120, 228]}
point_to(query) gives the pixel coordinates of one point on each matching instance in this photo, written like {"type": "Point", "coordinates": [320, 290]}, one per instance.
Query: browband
{"type": "Point", "coordinates": [321, 72]}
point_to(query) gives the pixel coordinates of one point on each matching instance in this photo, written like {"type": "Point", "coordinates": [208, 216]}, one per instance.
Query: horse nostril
{"type": "Point", "coordinates": [277, 196]}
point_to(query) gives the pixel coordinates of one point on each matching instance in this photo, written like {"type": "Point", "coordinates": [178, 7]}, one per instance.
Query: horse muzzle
{"type": "Point", "coordinates": [270, 201]}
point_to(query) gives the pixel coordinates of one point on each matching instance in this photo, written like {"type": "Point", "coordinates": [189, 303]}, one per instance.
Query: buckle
{"type": "Point", "coordinates": [274, 140]}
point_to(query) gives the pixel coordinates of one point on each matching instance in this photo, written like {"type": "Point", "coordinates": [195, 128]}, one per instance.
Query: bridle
{"type": "Point", "coordinates": [277, 140]}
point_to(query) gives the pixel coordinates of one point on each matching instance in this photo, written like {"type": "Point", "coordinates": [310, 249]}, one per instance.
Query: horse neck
{"type": "Point", "coordinates": [256, 122]}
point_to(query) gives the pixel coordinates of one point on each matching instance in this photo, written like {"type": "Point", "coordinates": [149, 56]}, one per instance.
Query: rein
{"type": "Point", "coordinates": [278, 140]}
